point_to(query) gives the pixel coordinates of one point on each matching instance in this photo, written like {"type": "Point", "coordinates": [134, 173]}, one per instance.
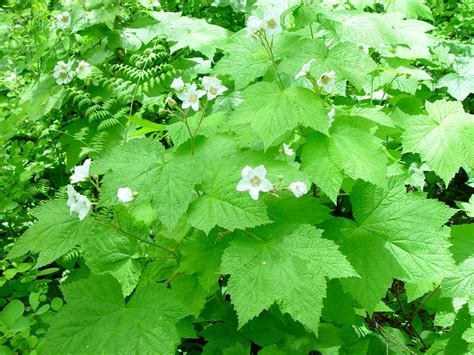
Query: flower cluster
{"type": "Point", "coordinates": [326, 80]}
{"type": "Point", "coordinates": [63, 72]}
{"type": "Point", "coordinates": [190, 95]}
{"type": "Point", "coordinates": [78, 203]}
{"type": "Point", "coordinates": [269, 24]}
{"type": "Point", "coordinates": [254, 181]}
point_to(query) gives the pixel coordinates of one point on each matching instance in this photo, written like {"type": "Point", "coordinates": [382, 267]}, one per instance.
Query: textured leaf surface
{"type": "Point", "coordinates": [395, 235]}
{"type": "Point", "coordinates": [286, 264]}
{"type": "Point", "coordinates": [55, 233]}
{"type": "Point", "coordinates": [348, 151]}
{"type": "Point", "coordinates": [246, 60]}
{"type": "Point", "coordinates": [273, 113]}
{"type": "Point", "coordinates": [443, 137]}
{"type": "Point", "coordinates": [346, 59]}
{"type": "Point", "coordinates": [108, 325]}
{"type": "Point", "coordinates": [142, 166]}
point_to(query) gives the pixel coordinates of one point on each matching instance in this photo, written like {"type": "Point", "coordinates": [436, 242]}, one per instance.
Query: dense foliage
{"type": "Point", "coordinates": [237, 177]}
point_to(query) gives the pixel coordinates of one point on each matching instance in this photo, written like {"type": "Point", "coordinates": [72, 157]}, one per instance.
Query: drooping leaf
{"type": "Point", "coordinates": [443, 137]}
{"type": "Point", "coordinates": [54, 234]}
{"type": "Point", "coordinates": [395, 235]}
{"type": "Point", "coordinates": [108, 325]}
{"type": "Point", "coordinates": [283, 264]}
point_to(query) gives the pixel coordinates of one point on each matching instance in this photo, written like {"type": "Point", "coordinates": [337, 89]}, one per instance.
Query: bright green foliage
{"type": "Point", "coordinates": [167, 182]}
{"type": "Point", "coordinates": [443, 137]}
{"type": "Point", "coordinates": [54, 234]}
{"type": "Point", "coordinates": [245, 62]}
{"type": "Point", "coordinates": [346, 59]}
{"type": "Point", "coordinates": [273, 113]}
{"type": "Point", "coordinates": [324, 158]}
{"type": "Point", "coordinates": [388, 240]}
{"type": "Point", "coordinates": [460, 83]}
{"type": "Point", "coordinates": [109, 324]}
{"type": "Point", "coordinates": [286, 264]}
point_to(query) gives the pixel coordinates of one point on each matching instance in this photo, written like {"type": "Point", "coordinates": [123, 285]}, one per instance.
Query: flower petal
{"type": "Point", "coordinates": [260, 171]}
{"type": "Point", "coordinates": [253, 191]}
{"type": "Point", "coordinates": [247, 173]}
{"type": "Point", "coordinates": [243, 185]}
{"type": "Point", "coordinates": [266, 185]}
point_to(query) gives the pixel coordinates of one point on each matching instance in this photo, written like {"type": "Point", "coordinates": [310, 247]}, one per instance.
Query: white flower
{"type": "Point", "coordinates": [62, 73]}
{"type": "Point", "coordinates": [213, 86]}
{"type": "Point", "coordinates": [170, 101]}
{"type": "Point", "coordinates": [305, 70]}
{"type": "Point", "coordinates": [191, 97]}
{"type": "Point", "coordinates": [11, 78]}
{"type": "Point", "coordinates": [253, 181]}
{"type": "Point", "coordinates": [327, 80]}
{"type": "Point", "coordinates": [298, 188]}
{"type": "Point", "coordinates": [287, 150]}
{"type": "Point", "coordinates": [83, 69]}
{"type": "Point", "coordinates": [77, 203]}
{"type": "Point", "coordinates": [63, 20]}
{"type": "Point", "coordinates": [178, 84]}
{"type": "Point", "coordinates": [331, 115]}
{"type": "Point", "coordinates": [125, 194]}
{"type": "Point", "coordinates": [81, 172]}
{"type": "Point", "coordinates": [271, 23]}
{"type": "Point", "coordinates": [254, 25]}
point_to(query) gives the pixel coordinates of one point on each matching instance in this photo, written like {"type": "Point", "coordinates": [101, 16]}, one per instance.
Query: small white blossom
{"type": "Point", "coordinates": [63, 20]}
{"type": "Point", "coordinates": [213, 86]}
{"type": "Point", "coordinates": [125, 194]}
{"type": "Point", "coordinates": [331, 115]}
{"type": "Point", "coordinates": [178, 84]}
{"type": "Point", "coordinates": [305, 70]}
{"type": "Point", "coordinates": [327, 80]}
{"type": "Point", "coordinates": [83, 69]}
{"type": "Point", "coordinates": [191, 97]}
{"type": "Point", "coordinates": [254, 25]}
{"type": "Point", "coordinates": [253, 181]}
{"type": "Point", "coordinates": [170, 101]}
{"type": "Point", "coordinates": [11, 78]}
{"type": "Point", "coordinates": [287, 150]}
{"type": "Point", "coordinates": [62, 73]}
{"type": "Point", "coordinates": [81, 172]}
{"type": "Point", "coordinates": [77, 203]}
{"type": "Point", "coordinates": [298, 188]}
{"type": "Point", "coordinates": [271, 23]}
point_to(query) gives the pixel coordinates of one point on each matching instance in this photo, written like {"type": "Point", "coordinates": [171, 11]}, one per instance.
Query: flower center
{"type": "Point", "coordinates": [65, 19]}
{"type": "Point", "coordinates": [325, 79]}
{"type": "Point", "coordinates": [255, 181]}
{"type": "Point", "coordinates": [193, 98]}
{"type": "Point", "coordinates": [272, 23]}
{"type": "Point", "coordinates": [213, 90]}
{"type": "Point", "coordinates": [63, 75]}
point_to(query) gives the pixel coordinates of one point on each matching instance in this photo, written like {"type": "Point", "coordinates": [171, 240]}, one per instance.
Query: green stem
{"type": "Point", "coordinates": [268, 48]}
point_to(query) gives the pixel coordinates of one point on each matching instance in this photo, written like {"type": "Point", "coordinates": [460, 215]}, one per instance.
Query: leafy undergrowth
{"type": "Point", "coordinates": [236, 177]}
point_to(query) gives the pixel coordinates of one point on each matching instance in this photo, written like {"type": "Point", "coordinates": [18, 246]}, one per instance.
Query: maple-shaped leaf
{"type": "Point", "coordinates": [273, 113]}
{"type": "Point", "coordinates": [348, 151]}
{"type": "Point", "coordinates": [54, 233]}
{"type": "Point", "coordinates": [222, 205]}
{"type": "Point", "coordinates": [245, 61]}
{"type": "Point", "coordinates": [97, 320]}
{"type": "Point", "coordinates": [394, 235]}
{"type": "Point", "coordinates": [346, 59]}
{"type": "Point", "coordinates": [443, 137]}
{"type": "Point", "coordinates": [283, 264]}
{"type": "Point", "coordinates": [142, 166]}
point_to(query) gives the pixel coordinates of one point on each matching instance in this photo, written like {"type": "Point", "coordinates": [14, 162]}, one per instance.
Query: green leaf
{"type": "Point", "coordinates": [395, 235]}
{"type": "Point", "coordinates": [111, 251]}
{"type": "Point", "coordinates": [142, 166]}
{"type": "Point", "coordinates": [245, 61]}
{"type": "Point", "coordinates": [286, 264]}
{"type": "Point", "coordinates": [54, 234]}
{"type": "Point", "coordinates": [108, 325]}
{"type": "Point", "coordinates": [194, 33]}
{"type": "Point", "coordinates": [346, 59]}
{"type": "Point", "coordinates": [443, 138]}
{"type": "Point", "coordinates": [326, 161]}
{"type": "Point", "coordinates": [273, 113]}
{"type": "Point", "coordinates": [460, 83]}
